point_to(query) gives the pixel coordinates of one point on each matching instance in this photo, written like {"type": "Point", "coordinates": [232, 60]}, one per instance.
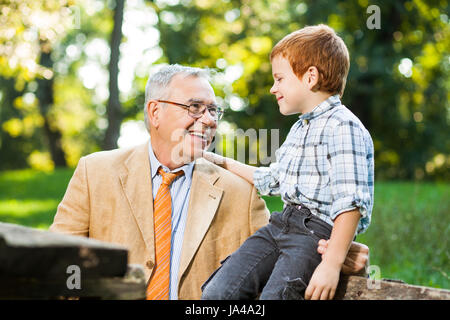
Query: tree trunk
{"type": "Point", "coordinates": [114, 107]}
{"type": "Point", "coordinates": [44, 94]}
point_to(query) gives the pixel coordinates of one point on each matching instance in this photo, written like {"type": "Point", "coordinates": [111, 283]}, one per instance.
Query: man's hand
{"type": "Point", "coordinates": [357, 258]}
{"type": "Point", "coordinates": [323, 282]}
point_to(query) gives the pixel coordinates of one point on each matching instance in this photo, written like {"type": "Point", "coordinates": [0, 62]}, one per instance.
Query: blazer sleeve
{"type": "Point", "coordinates": [72, 216]}
{"type": "Point", "coordinates": [258, 212]}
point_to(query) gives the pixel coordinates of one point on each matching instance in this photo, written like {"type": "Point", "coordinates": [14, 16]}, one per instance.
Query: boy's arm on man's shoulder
{"type": "Point", "coordinates": [72, 216]}
{"type": "Point", "coordinates": [265, 179]}
{"type": "Point", "coordinates": [241, 169]}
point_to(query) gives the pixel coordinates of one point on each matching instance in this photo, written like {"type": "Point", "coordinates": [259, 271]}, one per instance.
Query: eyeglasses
{"type": "Point", "coordinates": [196, 109]}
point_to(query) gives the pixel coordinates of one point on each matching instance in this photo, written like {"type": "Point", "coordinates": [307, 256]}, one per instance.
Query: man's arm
{"type": "Point", "coordinates": [326, 276]}
{"type": "Point", "coordinates": [72, 216]}
{"type": "Point", "coordinates": [357, 259]}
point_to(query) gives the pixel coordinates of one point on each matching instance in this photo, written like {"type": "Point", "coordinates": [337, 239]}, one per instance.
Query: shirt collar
{"type": "Point", "coordinates": [324, 106]}
{"type": "Point", "coordinates": [155, 164]}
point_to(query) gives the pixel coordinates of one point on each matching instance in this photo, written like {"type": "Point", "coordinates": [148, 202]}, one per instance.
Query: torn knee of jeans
{"type": "Point", "coordinates": [295, 289]}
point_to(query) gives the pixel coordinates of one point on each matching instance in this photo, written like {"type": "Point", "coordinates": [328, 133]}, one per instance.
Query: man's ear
{"type": "Point", "coordinates": [312, 78]}
{"type": "Point", "coordinates": [153, 113]}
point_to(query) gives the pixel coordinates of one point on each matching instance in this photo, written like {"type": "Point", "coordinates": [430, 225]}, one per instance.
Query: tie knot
{"type": "Point", "coordinates": [168, 177]}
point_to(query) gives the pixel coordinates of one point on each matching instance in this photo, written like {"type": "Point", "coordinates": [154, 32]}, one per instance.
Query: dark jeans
{"type": "Point", "coordinates": [277, 261]}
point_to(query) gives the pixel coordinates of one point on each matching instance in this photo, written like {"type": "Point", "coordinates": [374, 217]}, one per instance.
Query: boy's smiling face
{"type": "Point", "coordinates": [287, 87]}
{"type": "Point", "coordinates": [293, 94]}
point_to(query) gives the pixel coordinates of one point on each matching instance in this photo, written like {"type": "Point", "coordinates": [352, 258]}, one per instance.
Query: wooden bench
{"type": "Point", "coordinates": [36, 264]}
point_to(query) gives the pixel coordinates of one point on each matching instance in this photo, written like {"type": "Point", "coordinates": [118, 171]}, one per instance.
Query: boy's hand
{"type": "Point", "coordinates": [323, 282]}
{"type": "Point", "coordinates": [241, 169]}
{"type": "Point", "coordinates": [214, 158]}
{"type": "Point", "coordinates": [326, 276]}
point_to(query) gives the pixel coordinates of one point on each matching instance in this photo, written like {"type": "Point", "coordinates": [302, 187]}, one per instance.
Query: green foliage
{"type": "Point", "coordinates": [398, 83]}
{"type": "Point", "coordinates": [407, 114]}
{"type": "Point", "coordinates": [30, 30]}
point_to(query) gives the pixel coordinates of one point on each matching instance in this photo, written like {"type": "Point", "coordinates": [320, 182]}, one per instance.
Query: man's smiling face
{"type": "Point", "coordinates": [177, 132]}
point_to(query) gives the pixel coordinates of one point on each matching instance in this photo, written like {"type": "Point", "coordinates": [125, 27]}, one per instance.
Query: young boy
{"type": "Point", "coordinates": [324, 172]}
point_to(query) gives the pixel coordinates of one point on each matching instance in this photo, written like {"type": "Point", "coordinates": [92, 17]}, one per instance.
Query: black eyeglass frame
{"type": "Point", "coordinates": [201, 110]}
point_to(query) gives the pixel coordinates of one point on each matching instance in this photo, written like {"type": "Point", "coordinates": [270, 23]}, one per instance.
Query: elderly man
{"type": "Point", "coordinates": [178, 214]}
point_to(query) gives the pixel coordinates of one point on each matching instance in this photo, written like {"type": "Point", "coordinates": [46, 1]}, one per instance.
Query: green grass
{"type": "Point", "coordinates": [30, 198]}
{"type": "Point", "coordinates": [408, 237]}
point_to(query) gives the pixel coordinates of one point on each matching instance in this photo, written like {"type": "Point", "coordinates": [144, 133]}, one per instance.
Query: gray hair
{"type": "Point", "coordinates": [158, 83]}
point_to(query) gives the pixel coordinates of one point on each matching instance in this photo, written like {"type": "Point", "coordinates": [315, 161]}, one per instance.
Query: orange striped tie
{"type": "Point", "coordinates": [158, 287]}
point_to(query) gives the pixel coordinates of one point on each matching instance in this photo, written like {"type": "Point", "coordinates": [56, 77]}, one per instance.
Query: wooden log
{"type": "Point", "coordinates": [32, 253]}
{"type": "Point", "coordinates": [130, 287]}
{"type": "Point", "coordinates": [359, 288]}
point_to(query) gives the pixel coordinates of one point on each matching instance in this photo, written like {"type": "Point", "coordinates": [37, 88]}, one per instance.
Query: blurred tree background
{"type": "Point", "coordinates": [67, 84]}
{"type": "Point", "coordinates": [73, 73]}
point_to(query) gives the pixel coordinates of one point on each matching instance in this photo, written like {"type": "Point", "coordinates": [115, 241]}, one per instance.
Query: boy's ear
{"type": "Point", "coordinates": [153, 112]}
{"type": "Point", "coordinates": [312, 78]}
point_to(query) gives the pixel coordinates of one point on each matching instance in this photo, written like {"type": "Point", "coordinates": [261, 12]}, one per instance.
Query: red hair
{"type": "Point", "coordinates": [317, 46]}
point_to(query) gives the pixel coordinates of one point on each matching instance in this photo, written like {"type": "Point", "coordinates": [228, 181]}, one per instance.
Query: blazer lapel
{"type": "Point", "coordinates": [137, 186]}
{"type": "Point", "coordinates": [203, 204]}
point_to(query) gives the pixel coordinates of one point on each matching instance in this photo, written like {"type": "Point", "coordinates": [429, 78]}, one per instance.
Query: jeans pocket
{"type": "Point", "coordinates": [214, 273]}
{"type": "Point", "coordinates": [294, 290]}
{"type": "Point", "coordinates": [317, 228]}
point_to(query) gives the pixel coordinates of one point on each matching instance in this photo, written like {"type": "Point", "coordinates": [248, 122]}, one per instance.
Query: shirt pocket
{"type": "Point", "coordinates": [314, 170]}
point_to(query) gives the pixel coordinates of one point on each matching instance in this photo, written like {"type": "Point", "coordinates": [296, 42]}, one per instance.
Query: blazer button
{"type": "Point", "coordinates": [150, 264]}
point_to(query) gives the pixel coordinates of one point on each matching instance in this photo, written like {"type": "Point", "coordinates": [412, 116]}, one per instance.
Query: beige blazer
{"type": "Point", "coordinates": [109, 198]}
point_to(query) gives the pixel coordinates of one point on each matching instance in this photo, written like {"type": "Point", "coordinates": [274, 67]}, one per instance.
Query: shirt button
{"type": "Point", "coordinates": [150, 264]}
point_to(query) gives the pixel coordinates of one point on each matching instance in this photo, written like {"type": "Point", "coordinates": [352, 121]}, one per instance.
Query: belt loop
{"type": "Point", "coordinates": [309, 212]}
{"type": "Point", "coordinates": [304, 211]}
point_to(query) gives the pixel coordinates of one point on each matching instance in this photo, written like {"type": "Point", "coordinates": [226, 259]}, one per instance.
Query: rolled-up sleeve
{"type": "Point", "coordinates": [350, 156]}
{"type": "Point", "coordinates": [266, 180]}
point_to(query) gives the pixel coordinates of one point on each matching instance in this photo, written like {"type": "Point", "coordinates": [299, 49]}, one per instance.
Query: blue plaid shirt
{"type": "Point", "coordinates": [326, 164]}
